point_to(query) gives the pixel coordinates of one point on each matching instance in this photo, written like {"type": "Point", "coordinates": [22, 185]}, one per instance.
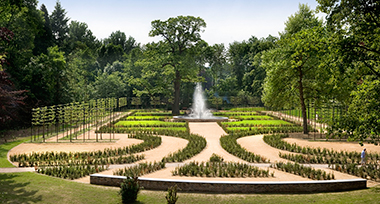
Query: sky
{"type": "Point", "coordinates": [227, 20]}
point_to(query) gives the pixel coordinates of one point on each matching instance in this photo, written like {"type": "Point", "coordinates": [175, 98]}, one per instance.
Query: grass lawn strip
{"type": "Point", "coordinates": [35, 188]}
{"type": "Point", "coordinates": [5, 148]}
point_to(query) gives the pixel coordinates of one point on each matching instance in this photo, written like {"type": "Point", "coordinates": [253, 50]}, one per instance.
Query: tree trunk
{"type": "Point", "coordinates": [177, 86]}
{"type": "Point", "coordinates": [302, 101]}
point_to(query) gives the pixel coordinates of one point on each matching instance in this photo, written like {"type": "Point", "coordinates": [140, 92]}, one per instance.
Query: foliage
{"type": "Point", "coordinates": [107, 156]}
{"type": "Point", "coordinates": [304, 171]}
{"type": "Point", "coordinates": [230, 144]}
{"type": "Point", "coordinates": [140, 169]}
{"type": "Point", "coordinates": [171, 195]}
{"type": "Point", "coordinates": [216, 158]}
{"type": "Point", "coordinates": [220, 169]}
{"type": "Point", "coordinates": [195, 146]}
{"type": "Point", "coordinates": [362, 120]}
{"type": "Point", "coordinates": [129, 189]}
{"type": "Point", "coordinates": [181, 36]}
{"type": "Point", "coordinates": [71, 172]}
{"type": "Point", "coordinates": [295, 61]}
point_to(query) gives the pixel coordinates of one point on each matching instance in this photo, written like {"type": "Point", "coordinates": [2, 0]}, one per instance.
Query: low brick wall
{"type": "Point", "coordinates": [235, 186]}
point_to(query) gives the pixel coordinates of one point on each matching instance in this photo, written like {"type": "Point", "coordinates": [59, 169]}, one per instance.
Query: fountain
{"type": "Point", "coordinates": [199, 111]}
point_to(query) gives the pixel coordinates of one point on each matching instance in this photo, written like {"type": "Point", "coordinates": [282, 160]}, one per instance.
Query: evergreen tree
{"type": "Point", "coordinates": [45, 37]}
{"type": "Point", "coordinates": [59, 24]}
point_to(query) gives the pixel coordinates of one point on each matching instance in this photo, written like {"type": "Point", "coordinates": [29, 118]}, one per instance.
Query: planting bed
{"type": "Point", "coordinates": [172, 148]}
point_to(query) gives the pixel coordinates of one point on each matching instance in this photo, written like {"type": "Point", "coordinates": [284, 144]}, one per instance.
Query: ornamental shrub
{"type": "Point", "coordinates": [129, 190]}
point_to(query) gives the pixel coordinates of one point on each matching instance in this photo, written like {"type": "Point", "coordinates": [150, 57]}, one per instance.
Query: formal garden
{"type": "Point", "coordinates": [291, 118]}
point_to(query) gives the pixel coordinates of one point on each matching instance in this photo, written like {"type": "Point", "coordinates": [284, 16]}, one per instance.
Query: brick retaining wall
{"type": "Point", "coordinates": [236, 186]}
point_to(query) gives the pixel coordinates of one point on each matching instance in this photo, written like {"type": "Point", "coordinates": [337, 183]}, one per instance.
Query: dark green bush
{"type": "Point", "coordinates": [171, 195]}
{"type": "Point", "coordinates": [129, 189]}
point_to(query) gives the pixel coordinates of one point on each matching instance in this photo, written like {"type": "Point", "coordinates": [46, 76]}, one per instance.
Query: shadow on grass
{"type": "Point", "coordinates": [14, 192]}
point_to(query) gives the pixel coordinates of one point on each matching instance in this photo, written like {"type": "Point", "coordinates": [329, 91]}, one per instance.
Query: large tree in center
{"type": "Point", "coordinates": [180, 37]}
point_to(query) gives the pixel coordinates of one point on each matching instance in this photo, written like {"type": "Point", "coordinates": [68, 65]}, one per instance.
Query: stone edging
{"type": "Point", "coordinates": [236, 186]}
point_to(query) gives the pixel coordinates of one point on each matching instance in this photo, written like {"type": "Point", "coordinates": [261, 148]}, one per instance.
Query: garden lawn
{"type": "Point", "coordinates": [146, 117]}
{"type": "Point", "coordinates": [149, 123]}
{"type": "Point", "coordinates": [4, 148]}
{"type": "Point", "coordinates": [248, 109]}
{"type": "Point", "coordinates": [252, 117]}
{"type": "Point", "coordinates": [255, 123]}
{"type": "Point", "coordinates": [34, 188]}
{"type": "Point", "coordinates": [234, 113]}
{"type": "Point", "coordinates": [152, 114]}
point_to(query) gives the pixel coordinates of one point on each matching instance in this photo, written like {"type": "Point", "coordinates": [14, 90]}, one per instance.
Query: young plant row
{"type": "Point", "coordinates": [220, 169]}
{"type": "Point", "coordinates": [195, 146]}
{"type": "Point", "coordinates": [32, 159]}
{"type": "Point", "coordinates": [227, 114]}
{"type": "Point", "coordinates": [247, 109]}
{"type": "Point", "coordinates": [369, 171]}
{"type": "Point", "coordinates": [258, 123]}
{"type": "Point", "coordinates": [148, 130]}
{"type": "Point", "coordinates": [149, 123]}
{"type": "Point", "coordinates": [140, 169]}
{"type": "Point", "coordinates": [304, 171]}
{"type": "Point", "coordinates": [346, 162]}
{"type": "Point", "coordinates": [262, 130]}
{"type": "Point", "coordinates": [251, 117]}
{"type": "Point", "coordinates": [90, 161]}
{"type": "Point", "coordinates": [318, 159]}
{"type": "Point", "coordinates": [316, 155]}
{"type": "Point", "coordinates": [139, 113]}
{"type": "Point", "coordinates": [229, 143]}
{"type": "Point", "coordinates": [72, 172]}
{"type": "Point", "coordinates": [138, 118]}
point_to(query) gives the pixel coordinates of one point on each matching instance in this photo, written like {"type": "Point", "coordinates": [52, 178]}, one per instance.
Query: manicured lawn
{"type": "Point", "coordinates": [252, 117]}
{"type": "Point", "coordinates": [149, 123]}
{"type": "Point", "coordinates": [248, 109]}
{"type": "Point", "coordinates": [147, 117]}
{"type": "Point", "coordinates": [35, 188]}
{"type": "Point", "coordinates": [4, 148]}
{"type": "Point", "coordinates": [234, 113]}
{"type": "Point", "coordinates": [256, 122]}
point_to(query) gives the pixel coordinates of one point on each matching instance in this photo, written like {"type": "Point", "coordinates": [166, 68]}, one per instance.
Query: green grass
{"type": "Point", "coordinates": [35, 188]}
{"type": "Point", "coordinates": [147, 117]}
{"type": "Point", "coordinates": [149, 123]}
{"type": "Point", "coordinates": [159, 128]}
{"type": "Point", "coordinates": [256, 122]}
{"type": "Point", "coordinates": [234, 113]}
{"type": "Point", "coordinates": [248, 109]}
{"type": "Point", "coordinates": [252, 117]}
{"type": "Point", "coordinates": [4, 148]}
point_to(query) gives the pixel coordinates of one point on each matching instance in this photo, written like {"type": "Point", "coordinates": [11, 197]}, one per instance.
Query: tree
{"type": "Point", "coordinates": [119, 38]}
{"type": "Point", "coordinates": [46, 77]}
{"type": "Point", "coordinates": [59, 24]}
{"type": "Point", "coordinates": [355, 39]}
{"type": "Point", "coordinates": [10, 99]}
{"type": "Point", "coordinates": [356, 28]}
{"type": "Point", "coordinates": [45, 38]}
{"type": "Point", "coordinates": [292, 68]}
{"type": "Point", "coordinates": [362, 120]}
{"type": "Point", "coordinates": [110, 86]}
{"type": "Point", "coordinates": [80, 37]}
{"type": "Point", "coordinates": [107, 54]}
{"type": "Point", "coordinates": [180, 37]}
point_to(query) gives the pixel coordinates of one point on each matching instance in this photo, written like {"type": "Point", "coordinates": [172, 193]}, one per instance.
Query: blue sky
{"type": "Point", "coordinates": [227, 21]}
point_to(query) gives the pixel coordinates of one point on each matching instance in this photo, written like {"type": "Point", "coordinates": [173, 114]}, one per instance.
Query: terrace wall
{"type": "Point", "coordinates": [235, 186]}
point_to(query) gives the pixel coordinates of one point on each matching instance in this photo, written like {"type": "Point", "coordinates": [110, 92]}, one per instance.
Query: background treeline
{"type": "Point", "coordinates": [56, 60]}
{"type": "Point", "coordinates": [48, 59]}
